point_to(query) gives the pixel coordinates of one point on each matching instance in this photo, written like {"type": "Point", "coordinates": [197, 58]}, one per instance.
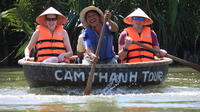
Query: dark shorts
{"type": "Point", "coordinates": [87, 60]}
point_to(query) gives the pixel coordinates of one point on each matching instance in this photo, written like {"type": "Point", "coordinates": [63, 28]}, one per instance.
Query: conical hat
{"type": "Point", "coordinates": [61, 19]}
{"type": "Point", "coordinates": [85, 10]}
{"type": "Point", "coordinates": [138, 13]}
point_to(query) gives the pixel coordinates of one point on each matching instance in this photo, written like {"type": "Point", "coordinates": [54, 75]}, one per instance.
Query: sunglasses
{"type": "Point", "coordinates": [138, 18]}
{"type": "Point", "coordinates": [51, 19]}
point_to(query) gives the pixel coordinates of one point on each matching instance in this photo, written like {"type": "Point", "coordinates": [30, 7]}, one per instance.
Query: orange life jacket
{"type": "Point", "coordinates": [49, 45]}
{"type": "Point", "coordinates": [137, 53]}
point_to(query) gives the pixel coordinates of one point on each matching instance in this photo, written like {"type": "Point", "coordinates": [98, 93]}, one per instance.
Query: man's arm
{"type": "Point", "coordinates": [123, 43]}
{"type": "Point", "coordinates": [31, 44]}
{"type": "Point", "coordinates": [161, 52]}
{"type": "Point", "coordinates": [113, 26]}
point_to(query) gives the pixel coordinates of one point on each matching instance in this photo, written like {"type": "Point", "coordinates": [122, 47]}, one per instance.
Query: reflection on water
{"type": "Point", "coordinates": [180, 92]}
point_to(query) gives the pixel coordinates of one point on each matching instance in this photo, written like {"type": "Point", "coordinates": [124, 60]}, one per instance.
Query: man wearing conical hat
{"type": "Point", "coordinates": [140, 32]}
{"type": "Point", "coordinates": [50, 39]}
{"type": "Point", "coordinates": [92, 19]}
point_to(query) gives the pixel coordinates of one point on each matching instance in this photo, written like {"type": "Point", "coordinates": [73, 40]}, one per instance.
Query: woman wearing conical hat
{"type": "Point", "coordinates": [92, 19]}
{"type": "Point", "coordinates": [50, 39]}
{"type": "Point", "coordinates": [140, 32]}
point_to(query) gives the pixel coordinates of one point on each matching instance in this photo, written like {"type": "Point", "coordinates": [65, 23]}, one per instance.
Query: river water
{"type": "Point", "coordinates": [179, 93]}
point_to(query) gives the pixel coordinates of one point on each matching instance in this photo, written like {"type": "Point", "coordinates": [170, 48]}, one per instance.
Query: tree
{"type": "Point", "coordinates": [176, 22]}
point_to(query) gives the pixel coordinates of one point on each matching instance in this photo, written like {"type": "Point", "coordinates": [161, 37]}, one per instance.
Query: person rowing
{"type": "Point", "coordinates": [92, 19]}
{"type": "Point", "coordinates": [139, 32]}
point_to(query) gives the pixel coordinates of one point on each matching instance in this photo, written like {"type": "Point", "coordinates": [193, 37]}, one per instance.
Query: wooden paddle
{"type": "Point", "coordinates": [184, 62]}
{"type": "Point", "coordinates": [92, 70]}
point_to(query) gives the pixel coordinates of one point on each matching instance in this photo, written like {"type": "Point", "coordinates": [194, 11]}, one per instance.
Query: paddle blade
{"type": "Point", "coordinates": [90, 80]}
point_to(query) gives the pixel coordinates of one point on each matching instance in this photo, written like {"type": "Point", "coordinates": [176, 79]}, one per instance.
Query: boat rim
{"type": "Point", "coordinates": [164, 61]}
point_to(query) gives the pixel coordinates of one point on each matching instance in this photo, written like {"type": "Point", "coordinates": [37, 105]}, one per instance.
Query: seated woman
{"type": "Point", "coordinates": [139, 32]}
{"type": "Point", "coordinates": [92, 19]}
{"type": "Point", "coordinates": [50, 39]}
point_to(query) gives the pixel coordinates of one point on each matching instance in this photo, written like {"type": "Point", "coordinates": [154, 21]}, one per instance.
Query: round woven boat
{"type": "Point", "coordinates": [61, 74]}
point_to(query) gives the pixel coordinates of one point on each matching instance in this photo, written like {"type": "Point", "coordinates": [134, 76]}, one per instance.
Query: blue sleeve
{"type": "Point", "coordinates": [87, 41]}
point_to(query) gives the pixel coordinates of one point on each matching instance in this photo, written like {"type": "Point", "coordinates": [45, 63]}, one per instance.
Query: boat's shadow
{"type": "Point", "coordinates": [108, 90]}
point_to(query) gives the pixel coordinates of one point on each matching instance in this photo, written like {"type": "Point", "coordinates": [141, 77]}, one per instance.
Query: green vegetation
{"type": "Point", "coordinates": [176, 22]}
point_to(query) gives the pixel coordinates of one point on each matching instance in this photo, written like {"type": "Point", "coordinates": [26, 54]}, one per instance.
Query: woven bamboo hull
{"type": "Point", "coordinates": [55, 74]}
